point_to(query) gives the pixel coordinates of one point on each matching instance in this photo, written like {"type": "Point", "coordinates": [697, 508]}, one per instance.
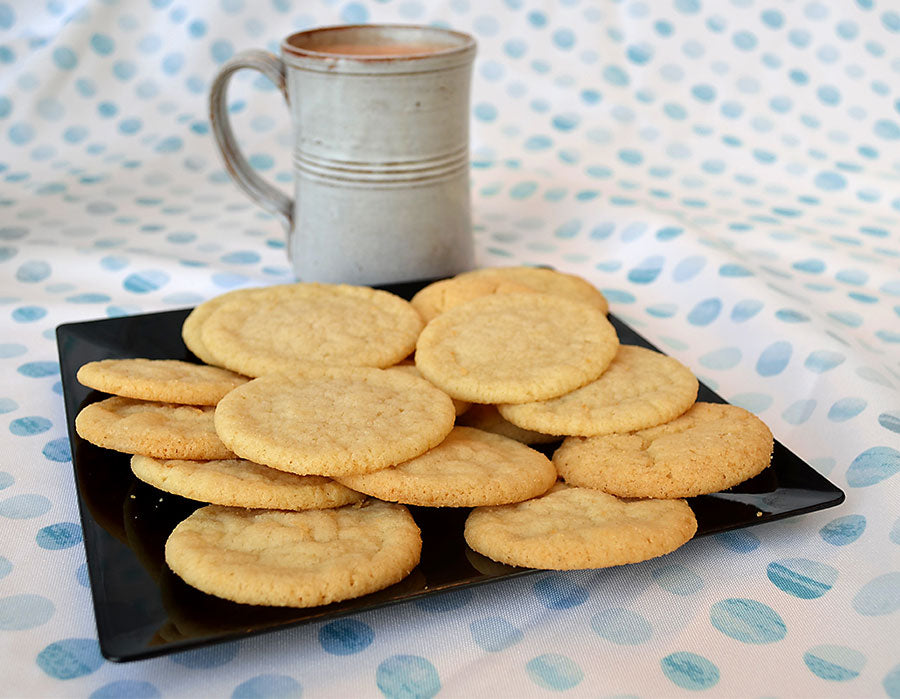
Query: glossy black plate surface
{"type": "Point", "coordinates": [144, 610]}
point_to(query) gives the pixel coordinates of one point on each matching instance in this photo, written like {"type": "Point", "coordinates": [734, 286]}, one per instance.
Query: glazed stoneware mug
{"type": "Point", "coordinates": [380, 120]}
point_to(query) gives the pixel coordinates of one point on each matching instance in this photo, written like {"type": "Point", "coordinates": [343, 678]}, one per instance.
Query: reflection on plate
{"type": "Point", "coordinates": [143, 609]}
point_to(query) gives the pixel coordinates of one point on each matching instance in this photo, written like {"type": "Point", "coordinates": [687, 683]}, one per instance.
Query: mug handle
{"type": "Point", "coordinates": [266, 195]}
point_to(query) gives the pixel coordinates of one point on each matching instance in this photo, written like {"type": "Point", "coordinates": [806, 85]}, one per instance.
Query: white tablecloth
{"type": "Point", "coordinates": [726, 172]}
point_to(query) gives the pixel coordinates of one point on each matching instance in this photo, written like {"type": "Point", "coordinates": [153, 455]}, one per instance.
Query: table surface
{"type": "Point", "coordinates": [725, 171]}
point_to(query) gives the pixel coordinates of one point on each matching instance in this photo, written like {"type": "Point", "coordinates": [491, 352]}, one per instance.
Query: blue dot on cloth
{"type": "Point", "coordinates": [24, 506]}
{"type": "Point", "coordinates": [830, 181]}
{"type": "Point", "coordinates": [890, 421]}
{"type": "Point", "coordinates": [12, 349]}
{"type": "Point", "coordinates": [622, 626]}
{"type": "Point", "coordinates": [64, 58]}
{"type": "Point", "coordinates": [560, 592]}
{"type": "Point", "coordinates": [28, 314]}
{"type": "Point", "coordinates": [38, 369]}
{"type": "Point", "coordinates": [33, 271]}
{"type": "Point", "coordinates": [102, 44]}
{"type": "Point", "coordinates": [873, 466]}
{"type": "Point", "coordinates": [746, 309]}
{"type": "Point", "coordinates": [689, 670]}
{"type": "Point", "coordinates": [799, 411]}
{"type": "Point", "coordinates": [801, 577]}
{"type": "Point", "coordinates": [27, 426]}
{"type": "Point", "coordinates": [494, 634]}
{"type": "Point", "coordinates": [747, 621]}
{"type": "Point", "coordinates": [705, 312]}
{"type": "Point", "coordinates": [677, 579]}
{"type": "Point", "coordinates": [62, 535]}
{"type": "Point", "coordinates": [834, 663]}
{"type": "Point", "coordinates": [407, 676]}
{"type": "Point", "coordinates": [5, 567]}
{"type": "Point", "coordinates": [820, 361]}
{"type": "Point", "coordinates": [206, 658]}
{"type": "Point", "coordinates": [57, 450]}
{"type": "Point", "coordinates": [21, 612]}
{"type": "Point", "coordinates": [265, 686]}
{"type": "Point", "coordinates": [122, 689]}
{"type": "Point", "coordinates": [81, 575]}
{"type": "Point", "coordinates": [346, 636]}
{"type": "Point", "coordinates": [6, 480]}
{"type": "Point", "coordinates": [891, 682]}
{"type": "Point", "coordinates": [843, 530]}
{"type": "Point", "coordinates": [879, 596]}
{"type": "Point", "coordinates": [70, 658]}
{"type": "Point", "coordinates": [774, 359]}
{"type": "Point", "coordinates": [647, 271]}
{"type": "Point", "coordinates": [145, 281]}
{"type": "Point", "coordinates": [554, 672]}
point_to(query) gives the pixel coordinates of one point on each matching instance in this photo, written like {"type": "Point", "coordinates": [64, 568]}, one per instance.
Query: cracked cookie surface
{"type": "Point", "coordinates": [294, 559]}
{"type": "Point", "coordinates": [163, 380]}
{"type": "Point", "coordinates": [514, 348]}
{"type": "Point", "coordinates": [242, 483]}
{"type": "Point", "coordinates": [576, 528]}
{"type": "Point", "coordinates": [334, 421]}
{"type": "Point", "coordinates": [709, 448]}
{"type": "Point", "coordinates": [640, 388]}
{"type": "Point", "coordinates": [469, 468]}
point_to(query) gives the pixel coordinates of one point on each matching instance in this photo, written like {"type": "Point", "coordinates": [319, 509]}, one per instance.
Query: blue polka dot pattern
{"type": "Point", "coordinates": [690, 671]}
{"type": "Point", "coordinates": [748, 621]}
{"type": "Point", "coordinates": [346, 636]}
{"type": "Point", "coordinates": [554, 672]}
{"type": "Point", "coordinates": [401, 676]}
{"type": "Point", "coordinates": [281, 686]}
{"type": "Point", "coordinates": [70, 658]}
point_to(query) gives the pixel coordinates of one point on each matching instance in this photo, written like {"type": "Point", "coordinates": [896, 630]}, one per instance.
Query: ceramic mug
{"type": "Point", "coordinates": [380, 119]}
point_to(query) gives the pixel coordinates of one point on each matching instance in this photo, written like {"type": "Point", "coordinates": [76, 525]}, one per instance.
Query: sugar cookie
{"type": "Point", "coordinates": [292, 326]}
{"type": "Point", "coordinates": [469, 468]}
{"type": "Point", "coordinates": [242, 483]}
{"type": "Point", "coordinates": [709, 448]}
{"type": "Point", "coordinates": [160, 430]}
{"type": "Point", "coordinates": [294, 559]}
{"type": "Point", "coordinates": [640, 388]}
{"type": "Point", "coordinates": [163, 380]}
{"type": "Point", "coordinates": [334, 421]}
{"type": "Point", "coordinates": [576, 528]}
{"type": "Point", "coordinates": [515, 348]}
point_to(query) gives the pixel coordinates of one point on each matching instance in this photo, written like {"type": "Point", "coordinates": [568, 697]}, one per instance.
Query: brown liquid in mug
{"type": "Point", "coordinates": [386, 49]}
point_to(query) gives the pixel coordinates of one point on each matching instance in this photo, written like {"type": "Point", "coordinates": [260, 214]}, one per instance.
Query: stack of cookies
{"type": "Point", "coordinates": [310, 429]}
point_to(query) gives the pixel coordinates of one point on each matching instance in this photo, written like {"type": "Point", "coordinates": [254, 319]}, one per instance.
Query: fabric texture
{"type": "Point", "coordinates": [724, 170]}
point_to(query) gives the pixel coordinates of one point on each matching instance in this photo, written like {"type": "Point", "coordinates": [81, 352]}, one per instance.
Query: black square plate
{"type": "Point", "coordinates": [144, 610]}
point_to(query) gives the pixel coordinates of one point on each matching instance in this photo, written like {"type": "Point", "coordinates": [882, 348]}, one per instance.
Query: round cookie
{"type": "Point", "coordinates": [191, 329]}
{"type": "Point", "coordinates": [294, 559]}
{"type": "Point", "coordinates": [709, 448]}
{"type": "Point", "coordinates": [640, 388]}
{"type": "Point", "coordinates": [163, 380]}
{"type": "Point", "coordinates": [160, 430]}
{"type": "Point", "coordinates": [545, 281]}
{"type": "Point", "coordinates": [443, 295]}
{"type": "Point", "coordinates": [460, 406]}
{"type": "Point", "coordinates": [469, 468]}
{"type": "Point", "coordinates": [575, 528]}
{"type": "Point", "coordinates": [489, 419]}
{"type": "Point", "coordinates": [241, 483]}
{"type": "Point", "coordinates": [515, 348]}
{"type": "Point", "coordinates": [334, 421]}
{"type": "Point", "coordinates": [288, 327]}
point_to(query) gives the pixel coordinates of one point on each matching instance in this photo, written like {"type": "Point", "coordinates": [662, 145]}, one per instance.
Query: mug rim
{"type": "Point", "coordinates": [467, 43]}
